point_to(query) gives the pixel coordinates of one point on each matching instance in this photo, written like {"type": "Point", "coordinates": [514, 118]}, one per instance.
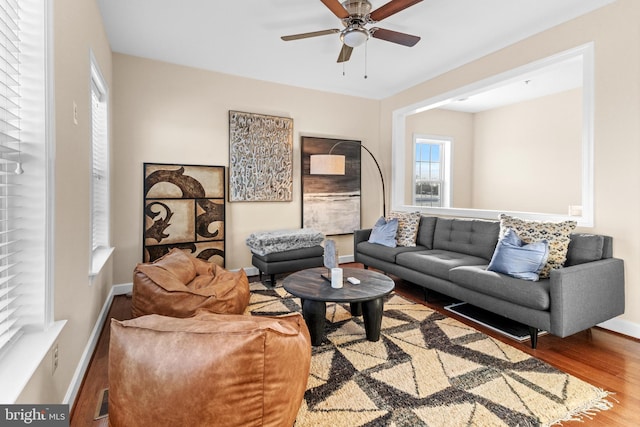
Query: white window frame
{"type": "Point", "coordinates": [100, 220]}
{"type": "Point", "coordinates": [20, 361]}
{"type": "Point", "coordinates": [446, 186]}
{"type": "Point", "coordinates": [399, 136]}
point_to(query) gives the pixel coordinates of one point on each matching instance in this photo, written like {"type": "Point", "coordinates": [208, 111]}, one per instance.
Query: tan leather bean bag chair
{"type": "Point", "coordinates": [209, 370]}
{"type": "Point", "coordinates": [178, 285]}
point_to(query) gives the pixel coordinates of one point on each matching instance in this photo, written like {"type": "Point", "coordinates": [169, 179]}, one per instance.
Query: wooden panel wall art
{"type": "Point", "coordinates": [184, 207]}
{"type": "Point", "coordinates": [331, 203]}
{"type": "Point", "coordinates": [260, 158]}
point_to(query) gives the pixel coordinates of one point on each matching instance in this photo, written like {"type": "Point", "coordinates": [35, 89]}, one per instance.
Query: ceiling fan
{"type": "Point", "coordinates": [355, 15]}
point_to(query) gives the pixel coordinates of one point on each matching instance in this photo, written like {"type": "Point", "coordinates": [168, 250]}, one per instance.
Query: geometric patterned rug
{"type": "Point", "coordinates": [427, 370]}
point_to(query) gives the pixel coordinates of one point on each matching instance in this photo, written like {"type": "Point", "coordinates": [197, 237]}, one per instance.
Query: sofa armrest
{"type": "Point", "coordinates": [586, 294]}
{"type": "Point", "coordinates": [360, 236]}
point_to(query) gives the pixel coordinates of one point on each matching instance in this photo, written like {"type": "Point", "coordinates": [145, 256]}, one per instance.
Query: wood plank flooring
{"type": "Point", "coordinates": [604, 359]}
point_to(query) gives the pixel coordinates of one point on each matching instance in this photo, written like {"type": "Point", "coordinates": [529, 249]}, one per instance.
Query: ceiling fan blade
{"type": "Point", "coordinates": [391, 8]}
{"type": "Point", "coordinates": [337, 8]}
{"type": "Point", "coordinates": [311, 34]}
{"type": "Point", "coordinates": [394, 36]}
{"type": "Point", "coordinates": [345, 53]}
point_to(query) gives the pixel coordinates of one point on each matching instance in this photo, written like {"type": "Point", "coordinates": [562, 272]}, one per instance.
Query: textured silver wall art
{"type": "Point", "coordinates": [260, 158]}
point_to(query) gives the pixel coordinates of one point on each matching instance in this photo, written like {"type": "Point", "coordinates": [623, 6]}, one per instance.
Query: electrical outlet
{"type": "Point", "coordinates": [54, 358]}
{"type": "Point", "coordinates": [75, 113]}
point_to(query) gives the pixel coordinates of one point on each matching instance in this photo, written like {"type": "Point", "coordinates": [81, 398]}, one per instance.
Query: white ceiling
{"type": "Point", "coordinates": [557, 77]}
{"type": "Point", "coordinates": [242, 37]}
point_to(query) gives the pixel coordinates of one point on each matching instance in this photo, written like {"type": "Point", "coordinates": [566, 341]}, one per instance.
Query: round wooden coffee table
{"type": "Point", "coordinates": [365, 298]}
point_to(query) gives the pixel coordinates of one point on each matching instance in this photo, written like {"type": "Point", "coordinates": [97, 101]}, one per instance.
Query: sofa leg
{"type": "Point", "coordinates": [273, 280]}
{"type": "Point", "coordinates": [533, 333]}
{"type": "Point", "coordinates": [366, 267]}
{"type": "Point", "coordinates": [426, 294]}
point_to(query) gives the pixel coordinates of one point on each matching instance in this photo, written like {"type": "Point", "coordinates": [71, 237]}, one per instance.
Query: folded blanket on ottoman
{"type": "Point", "coordinates": [267, 242]}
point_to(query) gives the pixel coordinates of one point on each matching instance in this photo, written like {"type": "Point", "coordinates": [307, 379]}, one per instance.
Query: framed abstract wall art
{"type": "Point", "coordinates": [331, 203]}
{"type": "Point", "coordinates": [184, 207]}
{"type": "Point", "coordinates": [260, 158]}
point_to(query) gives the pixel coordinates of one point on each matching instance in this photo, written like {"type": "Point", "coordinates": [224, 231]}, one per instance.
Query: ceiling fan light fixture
{"type": "Point", "coordinates": [354, 37]}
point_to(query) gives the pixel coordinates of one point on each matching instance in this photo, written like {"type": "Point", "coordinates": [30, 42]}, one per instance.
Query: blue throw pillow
{"type": "Point", "coordinates": [517, 259]}
{"type": "Point", "coordinates": [384, 232]}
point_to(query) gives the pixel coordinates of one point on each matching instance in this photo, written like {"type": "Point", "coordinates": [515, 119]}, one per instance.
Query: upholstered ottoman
{"type": "Point", "coordinates": [285, 251]}
{"type": "Point", "coordinates": [208, 370]}
{"type": "Point", "coordinates": [288, 261]}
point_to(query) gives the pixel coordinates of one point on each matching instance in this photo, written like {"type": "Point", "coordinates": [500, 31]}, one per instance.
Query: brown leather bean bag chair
{"type": "Point", "coordinates": [208, 370]}
{"type": "Point", "coordinates": [178, 285]}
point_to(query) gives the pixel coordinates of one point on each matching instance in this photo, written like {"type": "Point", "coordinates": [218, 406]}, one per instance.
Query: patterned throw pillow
{"type": "Point", "coordinates": [556, 233]}
{"type": "Point", "coordinates": [408, 223]}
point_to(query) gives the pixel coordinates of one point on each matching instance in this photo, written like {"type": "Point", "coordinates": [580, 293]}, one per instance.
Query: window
{"type": "Point", "coordinates": [100, 245]}
{"type": "Point", "coordinates": [10, 167]}
{"type": "Point", "coordinates": [432, 182]}
{"type": "Point", "coordinates": [26, 287]}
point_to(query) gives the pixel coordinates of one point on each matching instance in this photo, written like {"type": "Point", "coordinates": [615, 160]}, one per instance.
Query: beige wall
{"type": "Point", "coordinates": [506, 157]}
{"type": "Point", "coordinates": [165, 113]}
{"type": "Point", "coordinates": [528, 155]}
{"type": "Point", "coordinates": [171, 114]}
{"type": "Point", "coordinates": [77, 29]}
{"type": "Point", "coordinates": [450, 124]}
{"type": "Point", "coordinates": [616, 37]}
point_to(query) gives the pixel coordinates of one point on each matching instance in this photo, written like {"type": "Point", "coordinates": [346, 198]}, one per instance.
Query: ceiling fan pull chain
{"type": "Point", "coordinates": [365, 58]}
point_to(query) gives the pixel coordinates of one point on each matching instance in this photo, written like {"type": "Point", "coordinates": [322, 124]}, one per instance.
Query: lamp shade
{"type": "Point", "coordinates": [326, 164]}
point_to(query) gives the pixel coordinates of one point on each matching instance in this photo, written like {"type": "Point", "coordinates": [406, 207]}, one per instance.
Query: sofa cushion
{"type": "Point", "coordinates": [436, 262]}
{"type": "Point", "coordinates": [584, 248]}
{"type": "Point", "coordinates": [468, 236]}
{"type": "Point", "coordinates": [528, 294]}
{"type": "Point", "coordinates": [384, 232]}
{"type": "Point", "coordinates": [515, 258]}
{"type": "Point", "coordinates": [408, 223]}
{"type": "Point", "coordinates": [385, 253]}
{"type": "Point", "coordinates": [556, 233]}
{"type": "Point", "coordinates": [425, 231]}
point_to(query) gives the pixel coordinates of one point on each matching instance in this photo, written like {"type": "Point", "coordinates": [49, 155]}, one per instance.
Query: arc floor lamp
{"type": "Point", "coordinates": [334, 164]}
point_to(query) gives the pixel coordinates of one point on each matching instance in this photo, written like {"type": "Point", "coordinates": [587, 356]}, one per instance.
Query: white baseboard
{"type": "Point", "coordinates": [622, 326]}
{"type": "Point", "coordinates": [122, 289]}
{"type": "Point", "coordinates": [345, 259]}
{"type": "Point", "coordinates": [83, 365]}
{"type": "Point", "coordinates": [251, 271]}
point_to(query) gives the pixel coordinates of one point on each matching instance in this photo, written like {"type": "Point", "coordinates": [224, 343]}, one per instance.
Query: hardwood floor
{"type": "Point", "coordinates": [96, 380]}
{"type": "Point", "coordinates": [604, 359]}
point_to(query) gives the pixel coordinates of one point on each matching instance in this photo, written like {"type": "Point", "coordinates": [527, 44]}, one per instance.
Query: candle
{"type": "Point", "coordinates": [336, 277]}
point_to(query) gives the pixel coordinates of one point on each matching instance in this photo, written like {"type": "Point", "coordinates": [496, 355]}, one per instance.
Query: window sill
{"type": "Point", "coordinates": [23, 358]}
{"type": "Point", "coordinates": [99, 258]}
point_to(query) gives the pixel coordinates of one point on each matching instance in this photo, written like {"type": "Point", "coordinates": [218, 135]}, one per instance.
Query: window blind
{"type": "Point", "coordinates": [99, 168]}
{"type": "Point", "coordinates": [10, 115]}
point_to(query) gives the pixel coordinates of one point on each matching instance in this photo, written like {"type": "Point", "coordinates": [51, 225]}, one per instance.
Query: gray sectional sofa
{"type": "Point", "coordinates": [451, 257]}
